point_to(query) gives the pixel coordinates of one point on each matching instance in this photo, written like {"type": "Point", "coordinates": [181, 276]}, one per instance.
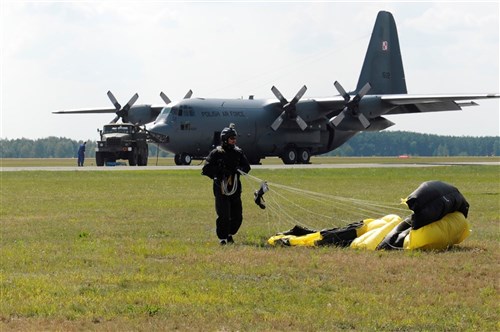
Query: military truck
{"type": "Point", "coordinates": [122, 141]}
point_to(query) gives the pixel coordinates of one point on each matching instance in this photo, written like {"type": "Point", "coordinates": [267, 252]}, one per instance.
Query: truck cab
{"type": "Point", "coordinates": [122, 141]}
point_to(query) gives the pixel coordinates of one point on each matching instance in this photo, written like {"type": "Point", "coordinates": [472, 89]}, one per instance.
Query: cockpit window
{"type": "Point", "coordinates": [117, 129]}
{"type": "Point", "coordinates": [185, 110]}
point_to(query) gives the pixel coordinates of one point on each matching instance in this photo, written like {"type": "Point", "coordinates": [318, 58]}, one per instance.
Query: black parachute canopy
{"type": "Point", "coordinates": [432, 200]}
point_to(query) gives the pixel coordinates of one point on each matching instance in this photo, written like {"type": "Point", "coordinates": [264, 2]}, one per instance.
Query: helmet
{"type": "Point", "coordinates": [227, 132]}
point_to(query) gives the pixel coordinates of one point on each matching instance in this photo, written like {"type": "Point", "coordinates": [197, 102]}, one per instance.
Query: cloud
{"type": "Point", "coordinates": [67, 55]}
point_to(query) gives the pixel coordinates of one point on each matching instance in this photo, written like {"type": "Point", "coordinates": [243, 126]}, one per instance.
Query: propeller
{"type": "Point", "coordinates": [351, 109]}
{"type": "Point", "coordinates": [168, 101]}
{"type": "Point", "coordinates": [122, 112]}
{"type": "Point", "coordinates": [289, 109]}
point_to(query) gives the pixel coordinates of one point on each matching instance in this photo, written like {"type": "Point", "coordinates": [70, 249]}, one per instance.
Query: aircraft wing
{"type": "Point", "coordinates": [432, 103]}
{"type": "Point", "coordinates": [156, 109]}
{"type": "Point", "coordinates": [329, 104]}
{"type": "Point", "coordinates": [87, 110]}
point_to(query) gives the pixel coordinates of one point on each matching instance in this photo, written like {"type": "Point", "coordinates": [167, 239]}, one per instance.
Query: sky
{"type": "Point", "coordinates": [63, 55]}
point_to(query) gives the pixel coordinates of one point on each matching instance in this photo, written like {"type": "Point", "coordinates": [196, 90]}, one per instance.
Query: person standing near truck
{"type": "Point", "coordinates": [81, 154]}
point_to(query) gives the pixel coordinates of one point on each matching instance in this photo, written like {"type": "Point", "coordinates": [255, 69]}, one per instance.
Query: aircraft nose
{"type": "Point", "coordinates": [160, 132]}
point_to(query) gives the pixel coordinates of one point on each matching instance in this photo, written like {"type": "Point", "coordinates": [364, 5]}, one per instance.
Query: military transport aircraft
{"type": "Point", "coordinates": [298, 128]}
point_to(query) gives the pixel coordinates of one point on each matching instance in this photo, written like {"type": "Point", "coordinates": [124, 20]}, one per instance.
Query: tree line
{"type": "Point", "coordinates": [388, 143]}
{"type": "Point", "coordinates": [395, 143]}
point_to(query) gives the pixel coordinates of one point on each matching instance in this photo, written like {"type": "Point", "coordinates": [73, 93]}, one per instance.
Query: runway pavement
{"type": "Point", "coordinates": [278, 166]}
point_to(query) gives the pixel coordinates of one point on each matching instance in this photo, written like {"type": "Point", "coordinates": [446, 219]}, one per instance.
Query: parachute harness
{"type": "Point", "coordinates": [229, 181]}
{"type": "Point", "coordinates": [285, 209]}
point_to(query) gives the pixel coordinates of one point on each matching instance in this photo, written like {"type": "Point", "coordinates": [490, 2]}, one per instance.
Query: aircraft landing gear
{"type": "Point", "coordinates": [183, 159]}
{"type": "Point", "coordinates": [296, 156]}
{"type": "Point", "coordinates": [289, 157]}
{"type": "Point", "coordinates": [304, 156]}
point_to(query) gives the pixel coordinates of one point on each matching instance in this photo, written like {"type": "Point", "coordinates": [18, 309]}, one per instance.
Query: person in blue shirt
{"type": "Point", "coordinates": [81, 154]}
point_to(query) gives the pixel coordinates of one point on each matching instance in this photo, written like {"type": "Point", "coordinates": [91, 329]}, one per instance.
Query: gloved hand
{"type": "Point", "coordinates": [258, 195]}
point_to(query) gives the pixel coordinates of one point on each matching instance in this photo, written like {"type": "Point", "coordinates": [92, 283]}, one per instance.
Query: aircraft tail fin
{"type": "Point", "coordinates": [383, 66]}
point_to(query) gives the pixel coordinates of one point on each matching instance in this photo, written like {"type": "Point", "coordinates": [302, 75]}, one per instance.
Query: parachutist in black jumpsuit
{"type": "Point", "coordinates": [222, 165]}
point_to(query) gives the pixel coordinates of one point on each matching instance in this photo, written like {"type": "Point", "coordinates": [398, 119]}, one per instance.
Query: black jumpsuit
{"type": "Point", "coordinates": [222, 165]}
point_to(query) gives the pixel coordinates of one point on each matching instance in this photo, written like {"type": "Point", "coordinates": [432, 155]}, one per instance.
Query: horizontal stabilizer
{"type": "Point", "coordinates": [438, 106]}
{"type": "Point", "coordinates": [465, 104]}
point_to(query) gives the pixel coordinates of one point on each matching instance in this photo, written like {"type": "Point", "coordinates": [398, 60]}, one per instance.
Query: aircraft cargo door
{"type": "Point", "coordinates": [242, 113]}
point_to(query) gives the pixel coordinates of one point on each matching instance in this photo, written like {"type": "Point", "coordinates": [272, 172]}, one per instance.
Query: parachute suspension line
{"type": "Point", "coordinates": [322, 200]}
{"type": "Point", "coordinates": [340, 198]}
{"type": "Point", "coordinates": [226, 182]}
{"type": "Point", "coordinates": [357, 208]}
{"type": "Point", "coordinates": [274, 212]}
{"type": "Point", "coordinates": [302, 208]}
{"type": "Point", "coordinates": [281, 215]}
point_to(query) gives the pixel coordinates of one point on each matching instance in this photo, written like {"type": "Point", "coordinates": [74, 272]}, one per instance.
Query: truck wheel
{"type": "Point", "coordinates": [132, 158]}
{"type": "Point", "coordinates": [99, 159]}
{"type": "Point", "coordinates": [143, 157]}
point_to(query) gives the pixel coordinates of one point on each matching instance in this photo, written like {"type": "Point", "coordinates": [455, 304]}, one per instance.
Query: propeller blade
{"type": "Point", "coordinates": [362, 92]}
{"type": "Point", "coordinates": [299, 95]}
{"type": "Point", "coordinates": [289, 108]}
{"type": "Point", "coordinates": [131, 102]}
{"type": "Point", "coordinates": [364, 121]}
{"type": "Point", "coordinates": [165, 98]}
{"type": "Point", "coordinates": [351, 106]}
{"type": "Point", "coordinates": [114, 101]}
{"type": "Point", "coordinates": [338, 119]}
{"type": "Point", "coordinates": [341, 90]}
{"type": "Point", "coordinates": [302, 124]}
{"type": "Point", "coordinates": [278, 95]}
{"type": "Point", "coordinates": [188, 94]}
{"type": "Point", "coordinates": [115, 119]}
{"type": "Point", "coordinates": [279, 120]}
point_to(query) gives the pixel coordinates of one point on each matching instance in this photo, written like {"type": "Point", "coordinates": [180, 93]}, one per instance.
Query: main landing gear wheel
{"type": "Point", "coordinates": [177, 159]}
{"type": "Point", "coordinates": [303, 156]}
{"type": "Point", "coordinates": [183, 159]}
{"type": "Point", "coordinates": [289, 157]}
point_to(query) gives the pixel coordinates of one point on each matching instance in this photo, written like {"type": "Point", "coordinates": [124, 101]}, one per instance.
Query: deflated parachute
{"type": "Point", "coordinates": [438, 222]}
{"type": "Point", "coordinates": [432, 200]}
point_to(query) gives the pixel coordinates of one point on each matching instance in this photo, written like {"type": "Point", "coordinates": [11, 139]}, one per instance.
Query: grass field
{"type": "Point", "coordinates": [137, 251]}
{"type": "Point", "coordinates": [33, 162]}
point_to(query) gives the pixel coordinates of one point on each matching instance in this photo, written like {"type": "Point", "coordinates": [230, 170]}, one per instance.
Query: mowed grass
{"type": "Point", "coordinates": [137, 251]}
{"type": "Point", "coordinates": [169, 161]}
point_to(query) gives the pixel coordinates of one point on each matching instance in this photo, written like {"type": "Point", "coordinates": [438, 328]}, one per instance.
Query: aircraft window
{"type": "Point", "coordinates": [186, 126]}
{"type": "Point", "coordinates": [175, 111]}
{"type": "Point", "coordinates": [117, 129]}
{"type": "Point", "coordinates": [185, 111]}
